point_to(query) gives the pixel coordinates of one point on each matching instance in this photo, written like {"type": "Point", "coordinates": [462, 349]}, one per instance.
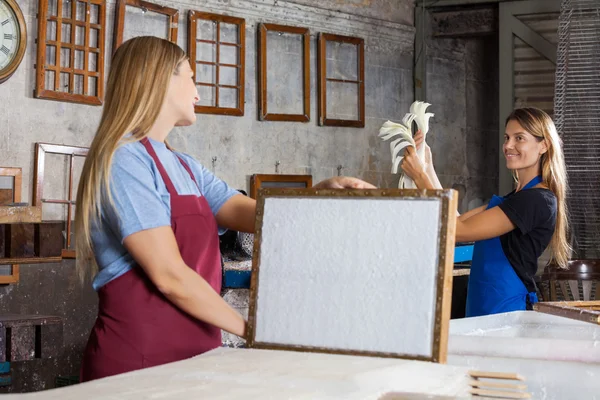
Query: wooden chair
{"type": "Point", "coordinates": [580, 282]}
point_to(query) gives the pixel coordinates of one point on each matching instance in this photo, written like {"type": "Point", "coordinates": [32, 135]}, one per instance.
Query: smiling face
{"type": "Point", "coordinates": [522, 150]}
{"type": "Point", "coordinates": [182, 95]}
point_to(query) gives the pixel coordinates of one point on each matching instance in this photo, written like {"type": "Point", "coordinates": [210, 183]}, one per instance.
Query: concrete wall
{"type": "Point", "coordinates": [242, 145]}
{"type": "Point", "coordinates": [462, 85]}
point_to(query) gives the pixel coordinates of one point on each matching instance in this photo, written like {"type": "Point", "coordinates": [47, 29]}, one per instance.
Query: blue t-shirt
{"type": "Point", "coordinates": [142, 201]}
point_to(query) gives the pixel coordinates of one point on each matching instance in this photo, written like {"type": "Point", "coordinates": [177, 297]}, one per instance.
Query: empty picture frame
{"type": "Point", "coordinates": [170, 15]}
{"type": "Point", "coordinates": [258, 181]}
{"type": "Point", "coordinates": [70, 51]}
{"type": "Point", "coordinates": [360, 272]}
{"type": "Point", "coordinates": [587, 311]}
{"type": "Point", "coordinates": [41, 151]}
{"type": "Point", "coordinates": [288, 71]}
{"type": "Point", "coordinates": [216, 47]}
{"type": "Point", "coordinates": [341, 77]}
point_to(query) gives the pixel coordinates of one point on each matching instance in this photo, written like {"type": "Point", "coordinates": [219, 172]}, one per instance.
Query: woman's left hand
{"type": "Point", "coordinates": [343, 182]}
{"type": "Point", "coordinates": [412, 165]}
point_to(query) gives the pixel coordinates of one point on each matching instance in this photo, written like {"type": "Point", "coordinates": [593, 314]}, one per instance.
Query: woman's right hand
{"type": "Point", "coordinates": [420, 142]}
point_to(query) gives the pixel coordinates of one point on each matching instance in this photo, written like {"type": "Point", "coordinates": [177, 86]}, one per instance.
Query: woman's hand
{"type": "Point", "coordinates": [343, 182]}
{"type": "Point", "coordinates": [420, 141]}
{"type": "Point", "coordinates": [412, 165]}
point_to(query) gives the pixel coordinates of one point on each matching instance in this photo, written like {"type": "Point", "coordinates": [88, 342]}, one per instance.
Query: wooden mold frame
{"type": "Point", "coordinates": [80, 31]}
{"type": "Point", "coordinates": [282, 181]}
{"type": "Point", "coordinates": [41, 149]}
{"type": "Point", "coordinates": [263, 112]}
{"type": "Point", "coordinates": [449, 201]}
{"type": "Point", "coordinates": [323, 79]}
{"type": "Point", "coordinates": [240, 65]}
{"type": "Point", "coordinates": [17, 175]}
{"type": "Point", "coordinates": [587, 311]}
{"type": "Point", "coordinates": [171, 13]}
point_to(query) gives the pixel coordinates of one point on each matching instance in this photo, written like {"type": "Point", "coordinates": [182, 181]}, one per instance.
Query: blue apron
{"type": "Point", "coordinates": [494, 286]}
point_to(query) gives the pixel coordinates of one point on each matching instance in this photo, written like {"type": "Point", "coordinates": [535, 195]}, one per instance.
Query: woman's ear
{"type": "Point", "coordinates": [544, 148]}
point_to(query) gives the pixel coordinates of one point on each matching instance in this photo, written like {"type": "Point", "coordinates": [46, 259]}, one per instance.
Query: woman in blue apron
{"type": "Point", "coordinates": [511, 232]}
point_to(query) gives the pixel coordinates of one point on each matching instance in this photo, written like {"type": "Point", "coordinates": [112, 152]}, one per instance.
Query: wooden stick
{"type": "Point", "coordinates": [575, 303]}
{"type": "Point", "coordinates": [566, 311]}
{"type": "Point", "coordinates": [484, 384]}
{"type": "Point", "coordinates": [30, 260]}
{"type": "Point", "coordinates": [495, 375]}
{"type": "Point", "coordinates": [499, 394]}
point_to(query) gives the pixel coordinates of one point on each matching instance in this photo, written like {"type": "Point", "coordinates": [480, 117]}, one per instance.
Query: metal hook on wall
{"type": "Point", "coordinates": [214, 162]}
{"type": "Point", "coordinates": [277, 164]}
{"type": "Point", "coordinates": [340, 168]}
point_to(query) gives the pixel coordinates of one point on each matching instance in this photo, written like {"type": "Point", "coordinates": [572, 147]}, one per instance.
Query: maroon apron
{"type": "Point", "coordinates": [137, 326]}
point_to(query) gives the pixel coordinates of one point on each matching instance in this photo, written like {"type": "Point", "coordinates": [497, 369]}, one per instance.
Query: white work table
{"type": "Point", "coordinates": [559, 357]}
{"type": "Point", "coordinates": [227, 373]}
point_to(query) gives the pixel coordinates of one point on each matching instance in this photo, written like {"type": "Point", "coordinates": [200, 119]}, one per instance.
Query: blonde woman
{"type": "Point", "coordinates": [511, 232]}
{"type": "Point", "coordinates": [148, 219]}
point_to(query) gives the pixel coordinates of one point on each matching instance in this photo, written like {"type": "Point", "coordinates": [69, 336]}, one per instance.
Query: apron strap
{"type": "Point", "coordinates": [161, 169]}
{"type": "Point", "coordinates": [535, 181]}
{"type": "Point", "coordinates": [188, 169]}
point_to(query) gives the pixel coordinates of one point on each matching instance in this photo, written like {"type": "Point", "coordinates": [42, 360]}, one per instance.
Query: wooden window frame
{"type": "Point", "coordinates": [17, 174]}
{"type": "Point", "coordinates": [121, 9]}
{"type": "Point", "coordinates": [257, 180]}
{"type": "Point", "coordinates": [193, 17]}
{"type": "Point", "coordinates": [263, 112]}
{"type": "Point", "coordinates": [40, 91]}
{"type": "Point", "coordinates": [323, 79]}
{"type": "Point", "coordinates": [38, 182]}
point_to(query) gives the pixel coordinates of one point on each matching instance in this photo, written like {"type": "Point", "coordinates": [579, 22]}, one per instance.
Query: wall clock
{"type": "Point", "coordinates": [13, 38]}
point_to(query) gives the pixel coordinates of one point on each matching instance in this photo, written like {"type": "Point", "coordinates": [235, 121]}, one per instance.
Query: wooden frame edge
{"type": "Point", "coordinates": [38, 182]}
{"type": "Point", "coordinates": [256, 180]}
{"type": "Point", "coordinates": [121, 8]}
{"type": "Point", "coordinates": [263, 113]}
{"type": "Point", "coordinates": [17, 174]}
{"type": "Point", "coordinates": [39, 162]}
{"type": "Point", "coordinates": [40, 81]}
{"type": "Point", "coordinates": [449, 200]}
{"type": "Point", "coordinates": [322, 80]}
{"type": "Point", "coordinates": [13, 277]}
{"type": "Point", "coordinates": [193, 17]}
{"type": "Point", "coordinates": [40, 91]}
{"type": "Point", "coordinates": [445, 276]}
{"type": "Point", "coordinates": [570, 309]}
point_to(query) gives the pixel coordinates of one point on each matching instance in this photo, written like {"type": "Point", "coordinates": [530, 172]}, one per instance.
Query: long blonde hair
{"type": "Point", "coordinates": [139, 77]}
{"type": "Point", "coordinates": [554, 175]}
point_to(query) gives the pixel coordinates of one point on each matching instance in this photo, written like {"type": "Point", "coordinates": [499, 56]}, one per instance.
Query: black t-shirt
{"type": "Point", "coordinates": [533, 211]}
